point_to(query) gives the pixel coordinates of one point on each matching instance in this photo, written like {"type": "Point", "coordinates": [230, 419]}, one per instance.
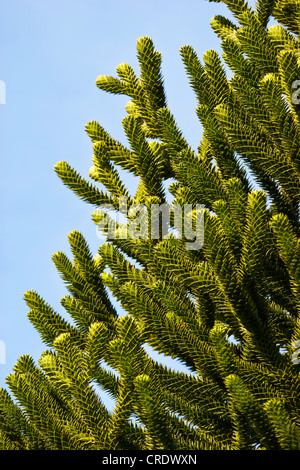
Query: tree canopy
{"type": "Point", "coordinates": [229, 310]}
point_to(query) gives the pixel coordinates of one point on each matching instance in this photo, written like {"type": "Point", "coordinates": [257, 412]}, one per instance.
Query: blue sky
{"type": "Point", "coordinates": [51, 54]}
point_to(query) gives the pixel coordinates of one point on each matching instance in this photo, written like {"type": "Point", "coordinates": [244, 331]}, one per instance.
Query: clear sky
{"type": "Point", "coordinates": [51, 54]}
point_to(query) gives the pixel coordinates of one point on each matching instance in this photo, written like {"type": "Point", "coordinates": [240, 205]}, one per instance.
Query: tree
{"type": "Point", "coordinates": [229, 310]}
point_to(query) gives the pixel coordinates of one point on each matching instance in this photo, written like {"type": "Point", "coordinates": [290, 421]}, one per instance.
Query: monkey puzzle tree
{"type": "Point", "coordinates": [228, 311]}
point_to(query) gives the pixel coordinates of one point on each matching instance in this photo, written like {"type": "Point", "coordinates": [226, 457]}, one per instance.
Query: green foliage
{"type": "Point", "coordinates": [229, 312]}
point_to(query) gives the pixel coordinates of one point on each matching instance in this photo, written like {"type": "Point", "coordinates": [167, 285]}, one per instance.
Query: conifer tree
{"type": "Point", "coordinates": [229, 311]}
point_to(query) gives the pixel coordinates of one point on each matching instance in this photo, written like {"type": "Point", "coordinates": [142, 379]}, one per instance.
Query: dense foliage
{"type": "Point", "coordinates": [229, 311]}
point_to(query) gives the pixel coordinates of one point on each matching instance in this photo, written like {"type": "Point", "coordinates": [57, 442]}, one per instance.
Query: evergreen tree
{"type": "Point", "coordinates": [228, 311]}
